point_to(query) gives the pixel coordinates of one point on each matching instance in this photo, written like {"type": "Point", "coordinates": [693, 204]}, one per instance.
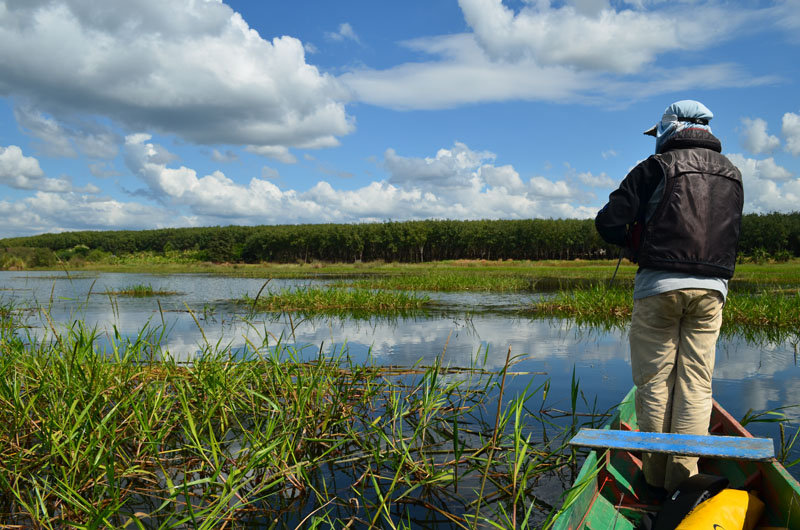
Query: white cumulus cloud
{"type": "Point", "coordinates": [502, 177]}
{"type": "Point", "coordinates": [24, 173]}
{"type": "Point", "coordinates": [594, 35]}
{"type": "Point", "coordinates": [16, 168]}
{"type": "Point", "coordinates": [755, 137]}
{"type": "Point", "coordinates": [791, 132]}
{"type": "Point", "coordinates": [47, 212]}
{"type": "Point", "coordinates": [189, 68]}
{"type": "Point", "coordinates": [768, 187]}
{"type": "Point", "coordinates": [450, 168]}
{"type": "Point", "coordinates": [214, 196]}
{"type": "Point", "coordinates": [456, 183]}
{"type": "Point", "coordinates": [596, 181]}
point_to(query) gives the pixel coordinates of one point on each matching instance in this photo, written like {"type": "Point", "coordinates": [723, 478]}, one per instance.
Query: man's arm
{"type": "Point", "coordinates": [627, 203]}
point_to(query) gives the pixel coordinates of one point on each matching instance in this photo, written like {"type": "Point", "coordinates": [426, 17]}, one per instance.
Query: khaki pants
{"type": "Point", "coordinates": [673, 341]}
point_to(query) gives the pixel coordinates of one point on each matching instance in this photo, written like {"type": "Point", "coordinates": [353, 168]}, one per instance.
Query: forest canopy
{"type": "Point", "coordinates": [775, 235]}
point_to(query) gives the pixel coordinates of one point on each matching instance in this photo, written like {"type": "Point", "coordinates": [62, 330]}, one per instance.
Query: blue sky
{"type": "Point", "coordinates": [166, 113]}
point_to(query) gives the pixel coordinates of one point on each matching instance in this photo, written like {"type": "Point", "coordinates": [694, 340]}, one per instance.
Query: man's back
{"type": "Point", "coordinates": [694, 227]}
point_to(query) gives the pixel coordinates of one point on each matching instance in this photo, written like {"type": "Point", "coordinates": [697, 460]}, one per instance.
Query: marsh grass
{"type": "Point", "coordinates": [766, 314]}
{"type": "Point", "coordinates": [592, 303]}
{"type": "Point", "coordinates": [438, 275]}
{"type": "Point", "coordinates": [335, 299]}
{"type": "Point", "coordinates": [777, 309]}
{"type": "Point", "coordinates": [473, 279]}
{"type": "Point", "coordinates": [140, 291]}
{"type": "Point", "coordinates": [126, 437]}
{"type": "Point", "coordinates": [449, 275]}
{"type": "Point", "coordinates": [446, 281]}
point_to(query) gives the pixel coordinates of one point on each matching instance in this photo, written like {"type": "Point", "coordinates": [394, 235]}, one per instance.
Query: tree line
{"type": "Point", "coordinates": [775, 235]}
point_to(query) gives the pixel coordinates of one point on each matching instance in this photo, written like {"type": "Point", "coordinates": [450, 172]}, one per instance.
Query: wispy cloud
{"type": "Point", "coordinates": [226, 156]}
{"type": "Point", "coordinates": [345, 32]}
{"type": "Point", "coordinates": [575, 53]}
{"type": "Point", "coordinates": [609, 153]}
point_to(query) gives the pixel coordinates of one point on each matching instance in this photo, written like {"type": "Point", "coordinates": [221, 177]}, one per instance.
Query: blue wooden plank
{"type": "Point", "coordinates": [735, 447]}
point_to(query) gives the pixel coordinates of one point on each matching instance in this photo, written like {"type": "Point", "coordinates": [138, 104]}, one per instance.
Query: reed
{"type": "Point", "coordinates": [333, 299]}
{"type": "Point", "coordinates": [140, 291]}
{"type": "Point", "coordinates": [596, 302]}
{"type": "Point", "coordinates": [469, 280]}
{"type": "Point", "coordinates": [767, 312]}
{"type": "Point", "coordinates": [127, 437]}
{"type": "Point", "coordinates": [775, 309]}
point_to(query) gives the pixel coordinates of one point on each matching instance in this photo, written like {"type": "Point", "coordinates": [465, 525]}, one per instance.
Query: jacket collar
{"type": "Point", "coordinates": [692, 138]}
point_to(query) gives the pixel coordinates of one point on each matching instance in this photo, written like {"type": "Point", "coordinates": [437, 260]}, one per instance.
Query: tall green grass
{"type": "Point", "coordinates": [593, 303]}
{"type": "Point", "coordinates": [334, 299]}
{"type": "Point", "coordinates": [110, 431]}
{"type": "Point", "coordinates": [104, 431]}
{"type": "Point", "coordinates": [466, 280]}
{"type": "Point", "coordinates": [762, 314]}
{"type": "Point", "coordinates": [773, 309]}
{"type": "Point", "coordinates": [140, 291]}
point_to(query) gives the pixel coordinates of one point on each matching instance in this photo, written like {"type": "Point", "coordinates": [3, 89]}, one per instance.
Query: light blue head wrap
{"type": "Point", "coordinates": [670, 123]}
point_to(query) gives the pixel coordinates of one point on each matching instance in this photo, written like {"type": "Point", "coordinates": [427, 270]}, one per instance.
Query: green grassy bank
{"type": "Point", "coordinates": [456, 275]}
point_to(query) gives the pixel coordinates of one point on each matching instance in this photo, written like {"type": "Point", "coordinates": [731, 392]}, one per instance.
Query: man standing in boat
{"type": "Point", "coordinates": [678, 213]}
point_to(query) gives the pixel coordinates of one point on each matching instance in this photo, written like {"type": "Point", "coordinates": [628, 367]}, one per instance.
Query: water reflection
{"type": "Point", "coordinates": [464, 328]}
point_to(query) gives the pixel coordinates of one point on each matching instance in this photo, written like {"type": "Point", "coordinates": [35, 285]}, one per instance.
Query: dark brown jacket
{"type": "Point", "coordinates": [695, 226]}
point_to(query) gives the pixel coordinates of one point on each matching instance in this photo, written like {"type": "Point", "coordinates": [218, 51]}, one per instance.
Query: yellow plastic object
{"type": "Point", "coordinates": [729, 510]}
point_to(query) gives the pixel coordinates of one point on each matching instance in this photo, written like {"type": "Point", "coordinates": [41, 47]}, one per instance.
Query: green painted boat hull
{"type": "Point", "coordinates": [610, 491]}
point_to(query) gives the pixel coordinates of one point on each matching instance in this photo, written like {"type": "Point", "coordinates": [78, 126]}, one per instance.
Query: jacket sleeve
{"type": "Point", "coordinates": [627, 204]}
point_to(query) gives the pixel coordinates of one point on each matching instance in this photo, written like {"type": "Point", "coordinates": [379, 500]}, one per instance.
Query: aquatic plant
{"type": "Point", "coordinates": [470, 280]}
{"type": "Point", "coordinates": [773, 308]}
{"type": "Point", "coordinates": [332, 299]}
{"type": "Point", "coordinates": [766, 314]}
{"type": "Point", "coordinates": [596, 302]}
{"type": "Point", "coordinates": [125, 436]}
{"type": "Point", "coordinates": [140, 291]}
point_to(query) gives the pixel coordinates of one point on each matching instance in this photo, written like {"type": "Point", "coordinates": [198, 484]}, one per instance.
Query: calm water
{"type": "Point", "coordinates": [466, 326]}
